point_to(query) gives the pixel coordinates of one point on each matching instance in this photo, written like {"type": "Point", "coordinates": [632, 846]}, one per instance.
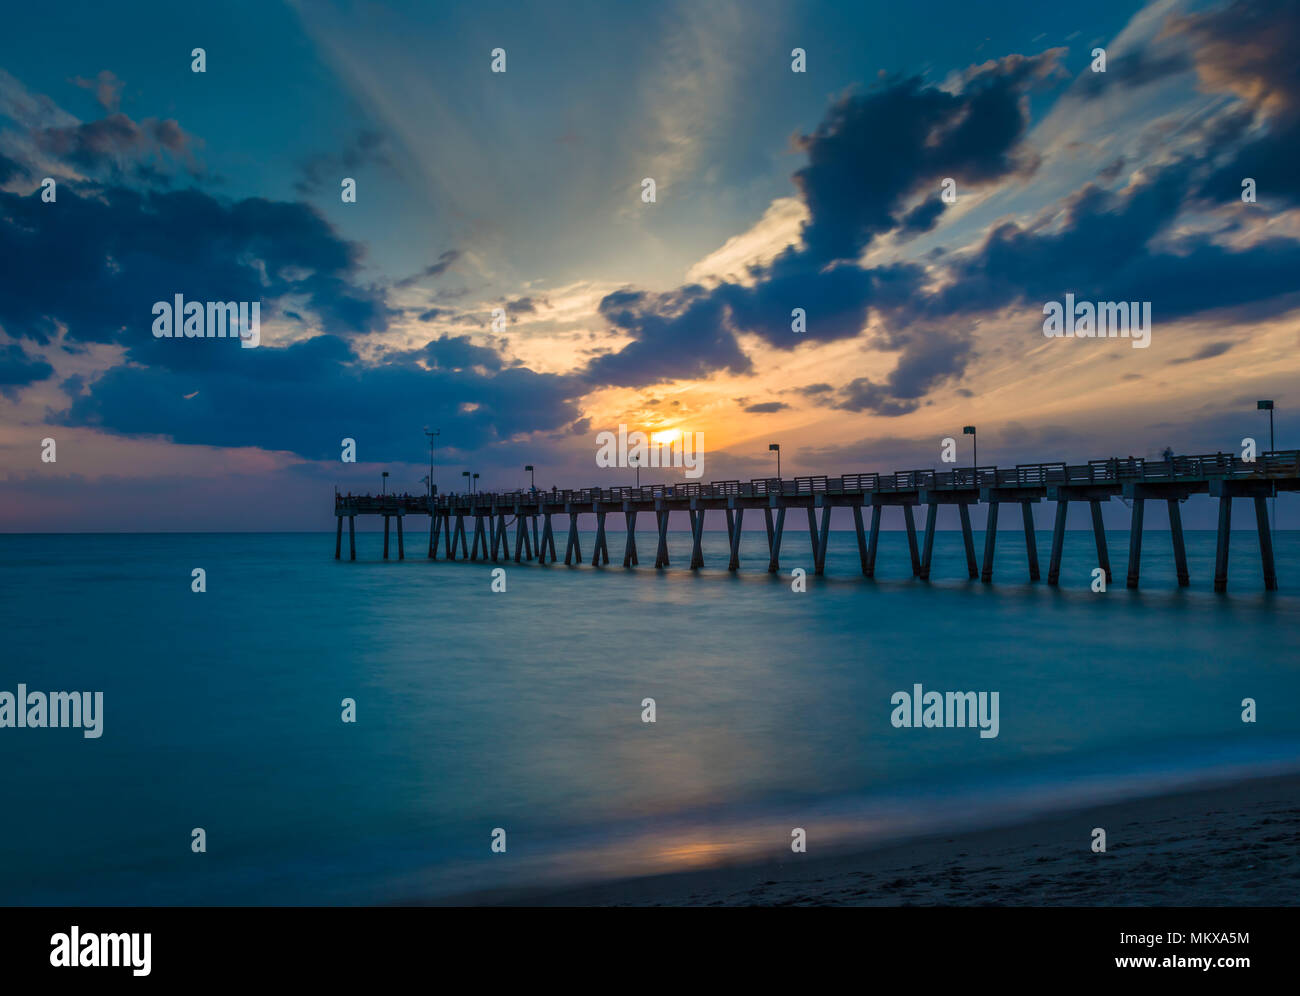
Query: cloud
{"type": "Point", "coordinates": [96, 262]}
{"type": "Point", "coordinates": [852, 190]}
{"type": "Point", "coordinates": [367, 147]}
{"type": "Point", "coordinates": [116, 147]}
{"type": "Point", "coordinates": [306, 397]}
{"type": "Point", "coordinates": [107, 87]}
{"type": "Point", "coordinates": [18, 369]}
{"type": "Point", "coordinates": [766, 407]}
{"type": "Point", "coordinates": [435, 269]}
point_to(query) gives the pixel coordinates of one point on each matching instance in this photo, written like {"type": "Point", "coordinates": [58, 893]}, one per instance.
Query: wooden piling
{"type": "Point", "coordinates": [697, 538]}
{"type": "Point", "coordinates": [385, 537]}
{"type": "Point", "coordinates": [352, 537]}
{"type": "Point", "coordinates": [1135, 542]}
{"type": "Point", "coordinates": [1180, 551]}
{"type": "Point", "coordinates": [1031, 541]}
{"type": "Point", "coordinates": [629, 545]}
{"type": "Point", "coordinates": [401, 550]}
{"type": "Point", "coordinates": [338, 539]}
{"type": "Point", "coordinates": [990, 540]}
{"type": "Point", "coordinates": [862, 537]}
{"type": "Point", "coordinates": [968, 537]}
{"type": "Point", "coordinates": [873, 542]}
{"type": "Point", "coordinates": [1265, 543]}
{"type": "Point", "coordinates": [910, 522]}
{"type": "Point", "coordinates": [733, 532]}
{"type": "Point", "coordinates": [1221, 545]}
{"type": "Point", "coordinates": [1058, 542]}
{"type": "Point", "coordinates": [1099, 533]}
{"type": "Point", "coordinates": [931, 519]}
{"type": "Point", "coordinates": [774, 533]}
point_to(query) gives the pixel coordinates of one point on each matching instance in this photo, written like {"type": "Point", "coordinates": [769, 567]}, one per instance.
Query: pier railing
{"type": "Point", "coordinates": [1223, 475]}
{"type": "Point", "coordinates": [1114, 470]}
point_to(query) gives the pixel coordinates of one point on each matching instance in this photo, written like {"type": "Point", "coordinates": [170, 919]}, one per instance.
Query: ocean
{"type": "Point", "coordinates": [521, 711]}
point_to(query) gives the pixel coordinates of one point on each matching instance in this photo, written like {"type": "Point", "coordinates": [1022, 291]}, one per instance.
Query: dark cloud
{"type": "Point", "coordinates": [676, 335]}
{"type": "Point", "coordinates": [17, 368]}
{"type": "Point", "coordinates": [1134, 69]}
{"type": "Point", "coordinates": [97, 263]}
{"type": "Point", "coordinates": [10, 168]}
{"type": "Point", "coordinates": [117, 148]}
{"type": "Point", "coordinates": [855, 189]}
{"type": "Point", "coordinates": [1249, 48]}
{"type": "Point", "coordinates": [459, 353]}
{"type": "Point", "coordinates": [326, 171]}
{"type": "Point", "coordinates": [435, 269]}
{"type": "Point", "coordinates": [1206, 352]}
{"type": "Point", "coordinates": [107, 87]}
{"type": "Point", "coordinates": [307, 397]}
{"type": "Point", "coordinates": [766, 407]}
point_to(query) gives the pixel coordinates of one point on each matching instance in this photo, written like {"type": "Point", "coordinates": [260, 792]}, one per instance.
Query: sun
{"type": "Point", "coordinates": [666, 437]}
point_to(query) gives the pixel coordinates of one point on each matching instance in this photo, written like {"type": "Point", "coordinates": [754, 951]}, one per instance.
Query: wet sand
{"type": "Point", "coordinates": [1235, 845]}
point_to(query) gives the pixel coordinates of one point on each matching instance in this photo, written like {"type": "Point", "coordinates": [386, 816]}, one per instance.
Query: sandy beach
{"type": "Point", "coordinates": [1234, 845]}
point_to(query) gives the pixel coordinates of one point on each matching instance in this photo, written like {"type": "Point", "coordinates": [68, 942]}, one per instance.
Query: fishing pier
{"type": "Point", "coordinates": [478, 526]}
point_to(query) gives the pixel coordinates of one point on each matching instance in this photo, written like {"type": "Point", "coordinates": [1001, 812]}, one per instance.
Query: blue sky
{"type": "Point", "coordinates": [521, 190]}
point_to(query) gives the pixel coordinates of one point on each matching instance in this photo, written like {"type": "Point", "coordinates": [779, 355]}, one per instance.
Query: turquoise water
{"type": "Point", "coordinates": [522, 710]}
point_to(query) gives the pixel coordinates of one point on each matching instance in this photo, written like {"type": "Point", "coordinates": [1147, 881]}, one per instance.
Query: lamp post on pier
{"type": "Point", "coordinates": [383, 490]}
{"type": "Point", "coordinates": [1266, 405]}
{"type": "Point", "coordinates": [532, 477]}
{"type": "Point", "coordinates": [969, 430]}
{"type": "Point", "coordinates": [777, 448]}
{"type": "Point", "coordinates": [432, 434]}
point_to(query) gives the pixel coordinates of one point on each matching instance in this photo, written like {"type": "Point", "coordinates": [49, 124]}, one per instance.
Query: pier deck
{"type": "Point", "coordinates": [491, 515]}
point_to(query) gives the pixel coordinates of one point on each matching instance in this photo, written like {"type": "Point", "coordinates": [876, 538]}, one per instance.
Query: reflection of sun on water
{"type": "Point", "coordinates": [690, 853]}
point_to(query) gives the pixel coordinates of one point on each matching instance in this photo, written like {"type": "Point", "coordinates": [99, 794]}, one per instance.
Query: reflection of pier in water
{"type": "Point", "coordinates": [1222, 476]}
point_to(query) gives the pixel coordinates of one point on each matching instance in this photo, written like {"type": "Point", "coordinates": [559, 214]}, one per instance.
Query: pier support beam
{"type": "Point", "coordinates": [548, 539]}
{"type": "Point", "coordinates": [862, 537]}
{"type": "Point", "coordinates": [401, 549]}
{"type": "Point", "coordinates": [972, 568]}
{"type": "Point", "coordinates": [1031, 541]}
{"type": "Point", "coordinates": [661, 552]}
{"type": "Point", "coordinates": [629, 547]}
{"type": "Point", "coordinates": [1265, 543]}
{"type": "Point", "coordinates": [1058, 541]}
{"type": "Point", "coordinates": [480, 537]}
{"type": "Point", "coordinates": [352, 537]}
{"type": "Point", "coordinates": [733, 532]}
{"type": "Point", "coordinates": [1221, 548]}
{"type": "Point", "coordinates": [927, 552]}
{"type": "Point", "coordinates": [338, 539]}
{"type": "Point", "coordinates": [600, 549]}
{"type": "Point", "coordinates": [990, 540]}
{"type": "Point", "coordinates": [1180, 551]}
{"type": "Point", "coordinates": [774, 538]}
{"type": "Point", "coordinates": [1135, 543]}
{"type": "Point", "coordinates": [573, 547]}
{"type": "Point", "coordinates": [434, 522]}
{"type": "Point", "coordinates": [385, 537]}
{"type": "Point", "coordinates": [819, 537]}
{"type": "Point", "coordinates": [1099, 533]}
{"type": "Point", "coordinates": [460, 537]}
{"type": "Point", "coordinates": [910, 521]}
{"type": "Point", "coordinates": [697, 537]}
{"type": "Point", "coordinates": [873, 542]}
{"type": "Point", "coordinates": [523, 545]}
